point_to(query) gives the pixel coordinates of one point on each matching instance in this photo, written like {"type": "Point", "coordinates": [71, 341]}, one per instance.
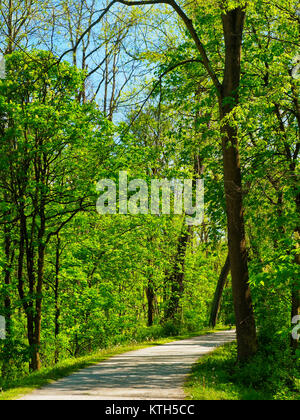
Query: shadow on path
{"type": "Point", "coordinates": [151, 373]}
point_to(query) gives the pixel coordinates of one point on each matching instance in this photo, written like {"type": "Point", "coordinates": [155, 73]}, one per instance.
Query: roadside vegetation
{"type": "Point", "coordinates": [217, 376]}
{"type": "Point", "coordinates": [97, 93]}
{"type": "Point", "coordinates": [149, 337]}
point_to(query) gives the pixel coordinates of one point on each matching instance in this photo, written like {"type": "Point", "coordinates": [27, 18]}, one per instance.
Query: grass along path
{"type": "Point", "coordinates": [47, 375]}
{"type": "Point", "coordinates": [217, 376]}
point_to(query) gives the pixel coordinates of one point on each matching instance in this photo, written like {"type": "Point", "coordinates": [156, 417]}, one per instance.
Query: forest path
{"type": "Point", "coordinates": [152, 373]}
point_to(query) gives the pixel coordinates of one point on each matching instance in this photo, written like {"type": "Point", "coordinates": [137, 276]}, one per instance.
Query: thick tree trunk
{"type": "Point", "coordinates": [28, 301]}
{"type": "Point", "coordinates": [233, 23]}
{"type": "Point", "coordinates": [32, 314]}
{"type": "Point", "coordinates": [218, 293]}
{"type": "Point", "coordinates": [36, 360]}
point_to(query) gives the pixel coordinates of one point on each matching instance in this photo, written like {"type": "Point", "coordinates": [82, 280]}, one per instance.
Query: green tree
{"type": "Point", "coordinates": [44, 165]}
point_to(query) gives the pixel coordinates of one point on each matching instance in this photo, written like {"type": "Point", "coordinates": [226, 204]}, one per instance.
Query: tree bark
{"type": "Point", "coordinates": [9, 256]}
{"type": "Point", "coordinates": [218, 293]}
{"type": "Point", "coordinates": [56, 289]}
{"type": "Point", "coordinates": [233, 23]}
{"type": "Point", "coordinates": [150, 299]}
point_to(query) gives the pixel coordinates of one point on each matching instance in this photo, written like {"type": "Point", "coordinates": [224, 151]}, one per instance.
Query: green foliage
{"type": "Point", "coordinates": [270, 375]}
{"type": "Point", "coordinates": [92, 274]}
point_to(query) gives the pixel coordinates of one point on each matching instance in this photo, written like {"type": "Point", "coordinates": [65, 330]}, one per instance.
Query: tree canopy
{"type": "Point", "coordinates": [159, 90]}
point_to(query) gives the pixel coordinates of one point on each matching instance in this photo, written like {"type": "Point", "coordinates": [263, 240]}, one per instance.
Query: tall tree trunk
{"type": "Point", "coordinates": [31, 308]}
{"type": "Point", "coordinates": [150, 300]}
{"type": "Point", "coordinates": [9, 256]}
{"type": "Point", "coordinates": [27, 304]}
{"type": "Point", "coordinates": [40, 279]}
{"type": "Point", "coordinates": [56, 288]}
{"type": "Point", "coordinates": [233, 23]}
{"type": "Point", "coordinates": [177, 276]}
{"type": "Point", "coordinates": [218, 293]}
